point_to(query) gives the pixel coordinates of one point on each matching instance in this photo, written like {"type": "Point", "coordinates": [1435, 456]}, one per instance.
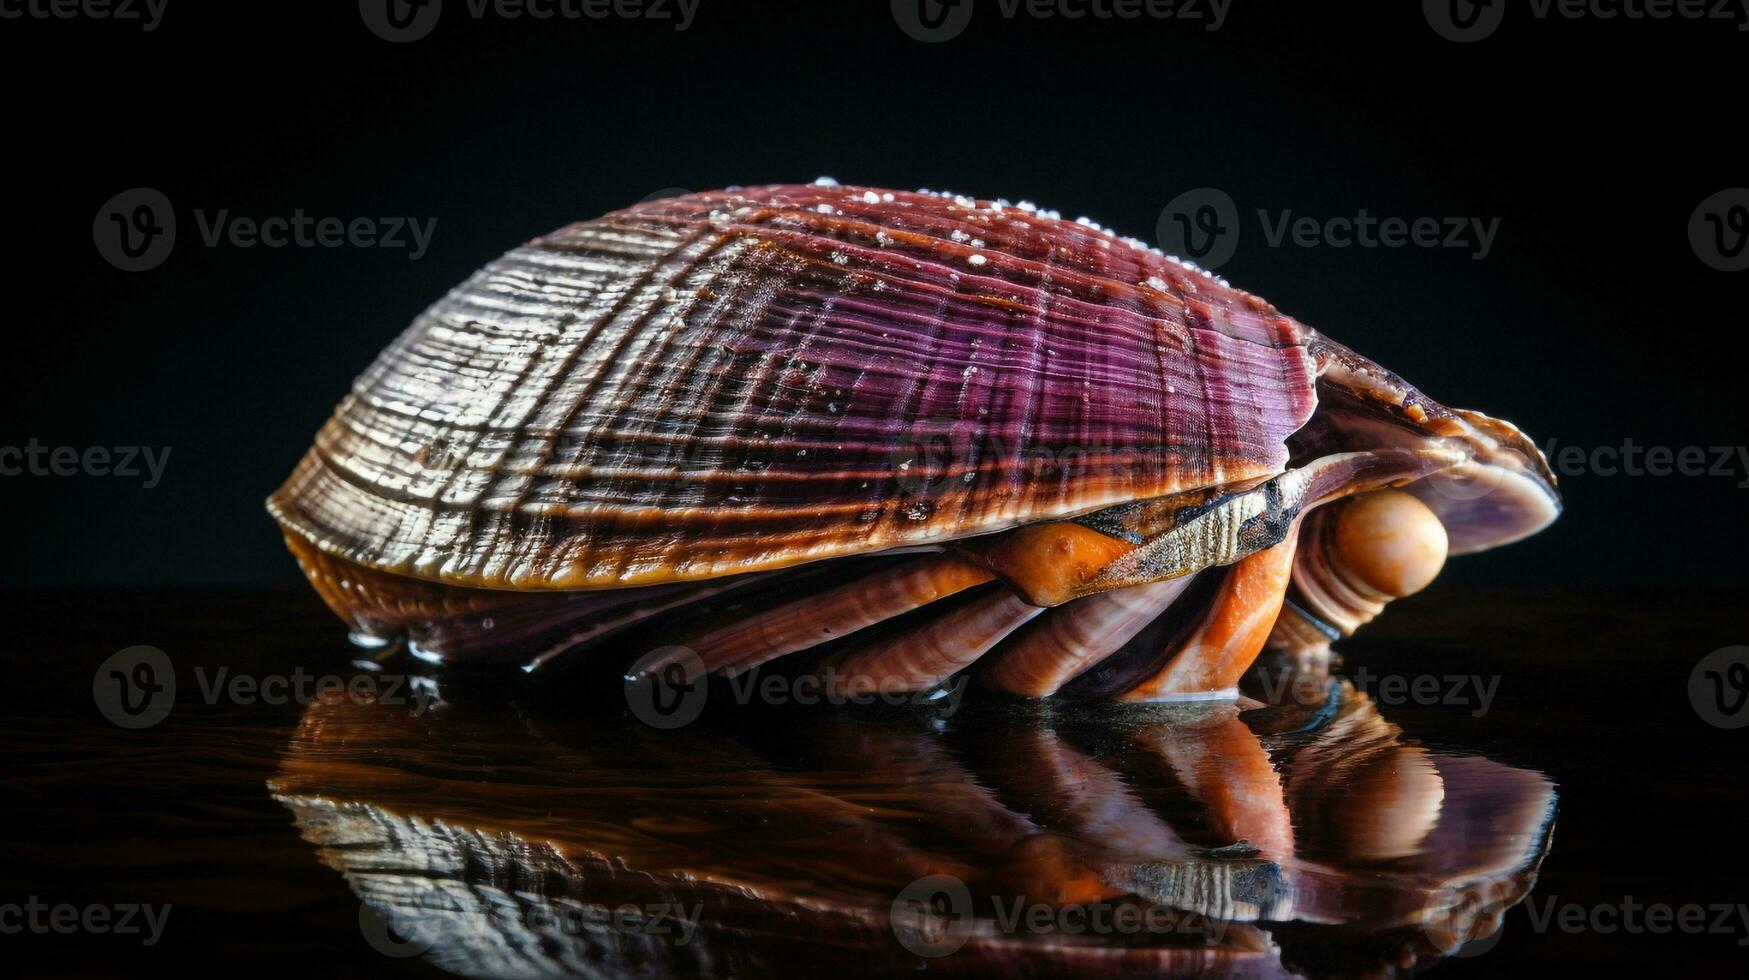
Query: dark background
{"type": "Point", "coordinates": [1592, 321]}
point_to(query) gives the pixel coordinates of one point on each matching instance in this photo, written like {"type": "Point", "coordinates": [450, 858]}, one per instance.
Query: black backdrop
{"type": "Point", "coordinates": [1591, 321]}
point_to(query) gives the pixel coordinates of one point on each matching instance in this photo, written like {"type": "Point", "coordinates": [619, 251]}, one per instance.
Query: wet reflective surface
{"type": "Point", "coordinates": [1406, 810]}
{"type": "Point", "coordinates": [1001, 840]}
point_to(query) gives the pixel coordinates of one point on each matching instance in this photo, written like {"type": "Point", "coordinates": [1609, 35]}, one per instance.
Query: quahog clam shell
{"type": "Point", "coordinates": [723, 392]}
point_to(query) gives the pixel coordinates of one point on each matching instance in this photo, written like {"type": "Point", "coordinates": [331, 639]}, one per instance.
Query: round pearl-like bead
{"type": "Point", "coordinates": [1389, 542]}
{"type": "Point", "coordinates": [1356, 555]}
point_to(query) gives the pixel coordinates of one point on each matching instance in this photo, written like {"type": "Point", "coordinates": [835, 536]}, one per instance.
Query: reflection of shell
{"type": "Point", "coordinates": [788, 842]}
{"type": "Point", "coordinates": [706, 386]}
